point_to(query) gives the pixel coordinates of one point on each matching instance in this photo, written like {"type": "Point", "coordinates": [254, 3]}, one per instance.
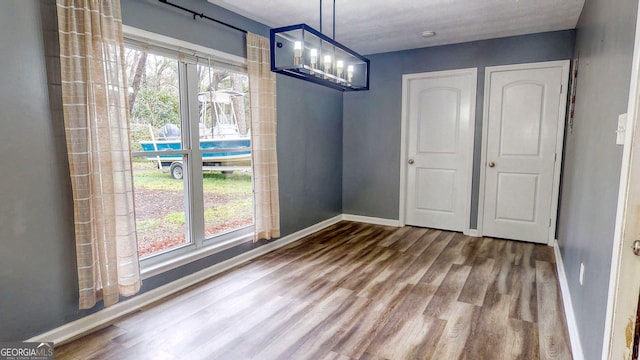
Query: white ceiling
{"type": "Point", "coordinates": [375, 26]}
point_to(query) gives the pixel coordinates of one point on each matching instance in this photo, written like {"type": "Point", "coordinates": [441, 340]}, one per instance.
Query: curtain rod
{"type": "Point", "coordinates": [202, 16]}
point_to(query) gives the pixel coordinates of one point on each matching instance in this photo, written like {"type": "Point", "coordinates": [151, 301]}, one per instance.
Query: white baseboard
{"type": "Point", "coordinates": [472, 233]}
{"type": "Point", "coordinates": [83, 326]}
{"type": "Point", "coordinates": [371, 220]}
{"type": "Point", "coordinates": [572, 325]}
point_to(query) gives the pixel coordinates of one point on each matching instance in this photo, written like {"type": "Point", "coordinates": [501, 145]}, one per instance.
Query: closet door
{"type": "Point", "coordinates": [524, 115]}
{"type": "Point", "coordinates": [440, 108]}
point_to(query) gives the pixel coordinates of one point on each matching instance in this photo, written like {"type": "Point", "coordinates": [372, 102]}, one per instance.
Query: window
{"type": "Point", "coordinates": [191, 150]}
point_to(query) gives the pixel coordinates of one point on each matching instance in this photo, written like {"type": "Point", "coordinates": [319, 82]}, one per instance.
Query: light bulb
{"type": "Point", "coordinates": [350, 73]}
{"type": "Point", "coordinates": [327, 65]}
{"type": "Point", "coordinates": [340, 68]}
{"type": "Point", "coordinates": [297, 53]}
{"type": "Point", "coordinates": [313, 57]}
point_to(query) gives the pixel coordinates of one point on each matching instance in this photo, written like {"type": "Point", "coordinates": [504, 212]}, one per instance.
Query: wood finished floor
{"type": "Point", "coordinates": [357, 291]}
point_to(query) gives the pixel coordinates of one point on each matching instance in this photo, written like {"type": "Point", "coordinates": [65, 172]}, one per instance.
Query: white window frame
{"type": "Point", "coordinates": [187, 55]}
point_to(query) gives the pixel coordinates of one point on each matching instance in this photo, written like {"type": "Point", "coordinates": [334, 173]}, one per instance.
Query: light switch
{"type": "Point", "coordinates": [622, 128]}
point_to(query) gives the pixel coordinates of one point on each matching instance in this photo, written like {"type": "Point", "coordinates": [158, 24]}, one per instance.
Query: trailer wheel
{"type": "Point", "coordinates": [176, 170]}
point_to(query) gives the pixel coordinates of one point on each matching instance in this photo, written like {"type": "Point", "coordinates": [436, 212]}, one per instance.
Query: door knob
{"type": "Point", "coordinates": [492, 164]}
{"type": "Point", "coordinates": [410, 161]}
{"type": "Point", "coordinates": [636, 247]}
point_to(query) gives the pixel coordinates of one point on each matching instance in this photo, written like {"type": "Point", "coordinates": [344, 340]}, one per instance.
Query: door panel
{"type": "Point", "coordinates": [522, 120]}
{"type": "Point", "coordinates": [440, 108]}
{"type": "Point", "coordinates": [438, 120]}
{"type": "Point", "coordinates": [516, 197]}
{"type": "Point", "coordinates": [524, 110]}
{"type": "Point", "coordinates": [442, 200]}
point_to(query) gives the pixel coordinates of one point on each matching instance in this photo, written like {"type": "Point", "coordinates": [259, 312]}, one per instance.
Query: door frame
{"type": "Point", "coordinates": [617, 302]}
{"type": "Point", "coordinates": [404, 143]}
{"type": "Point", "coordinates": [564, 64]}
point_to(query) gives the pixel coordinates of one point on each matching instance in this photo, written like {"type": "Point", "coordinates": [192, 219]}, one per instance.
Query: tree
{"type": "Point", "coordinates": [210, 80]}
{"type": "Point", "coordinates": [137, 78]}
{"type": "Point", "coordinates": [238, 102]}
{"type": "Point", "coordinates": [154, 90]}
{"type": "Point", "coordinates": [156, 107]}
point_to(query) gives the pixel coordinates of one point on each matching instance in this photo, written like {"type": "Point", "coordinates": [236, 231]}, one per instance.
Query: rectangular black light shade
{"type": "Point", "coordinates": [304, 53]}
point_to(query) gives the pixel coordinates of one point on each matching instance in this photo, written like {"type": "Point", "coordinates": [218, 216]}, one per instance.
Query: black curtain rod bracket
{"type": "Point", "coordinates": [202, 16]}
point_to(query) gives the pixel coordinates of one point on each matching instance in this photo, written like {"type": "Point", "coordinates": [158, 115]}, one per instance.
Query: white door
{"type": "Point", "coordinates": [625, 265]}
{"type": "Point", "coordinates": [624, 284]}
{"type": "Point", "coordinates": [440, 112]}
{"type": "Point", "coordinates": [523, 127]}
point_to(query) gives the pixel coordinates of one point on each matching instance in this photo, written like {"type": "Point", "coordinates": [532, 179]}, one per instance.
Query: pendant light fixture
{"type": "Point", "coordinates": [305, 53]}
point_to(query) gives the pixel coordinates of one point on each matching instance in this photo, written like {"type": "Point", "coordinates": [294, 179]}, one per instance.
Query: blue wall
{"type": "Point", "coordinates": [335, 152]}
{"type": "Point", "coordinates": [38, 277]}
{"type": "Point", "coordinates": [372, 119]}
{"type": "Point", "coordinates": [310, 153]}
{"type": "Point", "coordinates": [604, 47]}
{"type": "Point", "coordinates": [38, 286]}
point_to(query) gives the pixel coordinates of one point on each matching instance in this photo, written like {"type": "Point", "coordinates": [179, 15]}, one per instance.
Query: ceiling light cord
{"type": "Point", "coordinates": [320, 16]}
{"type": "Point", "coordinates": [334, 19]}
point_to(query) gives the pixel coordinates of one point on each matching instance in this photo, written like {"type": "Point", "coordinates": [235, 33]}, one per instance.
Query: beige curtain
{"type": "Point", "coordinates": [262, 89]}
{"type": "Point", "coordinates": [94, 95]}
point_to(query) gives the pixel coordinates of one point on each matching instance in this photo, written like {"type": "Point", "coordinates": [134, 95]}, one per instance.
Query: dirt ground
{"type": "Point", "coordinates": [154, 204]}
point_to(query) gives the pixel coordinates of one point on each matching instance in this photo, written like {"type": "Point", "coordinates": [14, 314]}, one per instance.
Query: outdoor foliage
{"type": "Point", "coordinates": [154, 101]}
{"type": "Point", "coordinates": [156, 107]}
{"type": "Point", "coordinates": [154, 98]}
{"type": "Point", "coordinates": [160, 214]}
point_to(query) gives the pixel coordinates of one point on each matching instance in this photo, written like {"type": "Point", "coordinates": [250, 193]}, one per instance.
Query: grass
{"type": "Point", "coordinates": [146, 176]}
{"type": "Point", "coordinates": [228, 199]}
{"type": "Point", "coordinates": [238, 209]}
{"type": "Point", "coordinates": [145, 225]}
{"type": "Point", "coordinates": [174, 219]}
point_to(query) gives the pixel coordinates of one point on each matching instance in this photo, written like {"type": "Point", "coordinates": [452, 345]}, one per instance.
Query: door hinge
{"type": "Point", "coordinates": [555, 157]}
{"type": "Point", "coordinates": [549, 222]}
{"type": "Point", "coordinates": [561, 88]}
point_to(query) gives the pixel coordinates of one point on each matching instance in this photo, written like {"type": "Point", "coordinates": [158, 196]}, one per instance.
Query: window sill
{"type": "Point", "coordinates": [155, 268]}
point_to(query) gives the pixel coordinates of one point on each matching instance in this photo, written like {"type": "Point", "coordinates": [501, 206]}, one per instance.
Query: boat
{"type": "Point", "coordinates": [223, 148]}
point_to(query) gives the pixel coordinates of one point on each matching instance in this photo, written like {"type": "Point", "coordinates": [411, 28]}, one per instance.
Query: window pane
{"type": "Point", "coordinates": [226, 150]}
{"type": "Point", "coordinates": [154, 101]}
{"type": "Point", "coordinates": [154, 112]}
{"type": "Point", "coordinates": [228, 201]}
{"type": "Point", "coordinates": [160, 207]}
